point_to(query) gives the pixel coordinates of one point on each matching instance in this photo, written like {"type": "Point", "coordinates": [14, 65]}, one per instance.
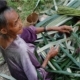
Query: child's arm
{"type": "Point", "coordinates": [30, 68]}
{"type": "Point", "coordinates": [29, 34]}
{"type": "Point", "coordinates": [63, 28]}
{"type": "Point", "coordinates": [53, 52]}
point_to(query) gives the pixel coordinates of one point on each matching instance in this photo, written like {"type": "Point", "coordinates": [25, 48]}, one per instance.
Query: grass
{"type": "Point", "coordinates": [26, 6]}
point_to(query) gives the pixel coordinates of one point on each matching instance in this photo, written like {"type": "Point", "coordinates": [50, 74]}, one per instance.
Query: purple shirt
{"type": "Point", "coordinates": [20, 57]}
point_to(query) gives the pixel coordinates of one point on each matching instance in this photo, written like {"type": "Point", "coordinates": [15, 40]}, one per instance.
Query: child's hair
{"type": "Point", "coordinates": [3, 22]}
{"type": "Point", "coordinates": [3, 9]}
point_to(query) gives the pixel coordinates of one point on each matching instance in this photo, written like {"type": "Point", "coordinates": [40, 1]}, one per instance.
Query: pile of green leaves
{"type": "Point", "coordinates": [66, 65]}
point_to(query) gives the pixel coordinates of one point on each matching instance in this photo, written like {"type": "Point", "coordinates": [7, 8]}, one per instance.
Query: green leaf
{"type": "Point", "coordinates": [7, 77]}
{"type": "Point", "coordinates": [69, 55]}
{"type": "Point", "coordinates": [38, 1]}
{"type": "Point", "coordinates": [64, 73]}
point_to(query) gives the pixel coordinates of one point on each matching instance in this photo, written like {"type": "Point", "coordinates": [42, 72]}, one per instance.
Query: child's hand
{"type": "Point", "coordinates": [53, 52]}
{"type": "Point", "coordinates": [64, 29]}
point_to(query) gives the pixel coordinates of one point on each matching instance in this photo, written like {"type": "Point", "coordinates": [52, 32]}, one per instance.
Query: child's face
{"type": "Point", "coordinates": [14, 26]}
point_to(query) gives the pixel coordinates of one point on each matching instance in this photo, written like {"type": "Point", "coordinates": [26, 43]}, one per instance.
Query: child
{"type": "Point", "coordinates": [18, 50]}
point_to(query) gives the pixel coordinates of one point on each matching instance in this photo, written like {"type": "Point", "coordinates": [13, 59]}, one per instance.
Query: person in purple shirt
{"type": "Point", "coordinates": [17, 48]}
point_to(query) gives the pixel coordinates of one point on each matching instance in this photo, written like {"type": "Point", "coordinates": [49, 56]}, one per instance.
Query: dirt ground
{"type": "Point", "coordinates": [4, 69]}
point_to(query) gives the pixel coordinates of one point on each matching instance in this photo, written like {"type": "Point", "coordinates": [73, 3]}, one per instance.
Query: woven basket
{"type": "Point", "coordinates": [31, 19]}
